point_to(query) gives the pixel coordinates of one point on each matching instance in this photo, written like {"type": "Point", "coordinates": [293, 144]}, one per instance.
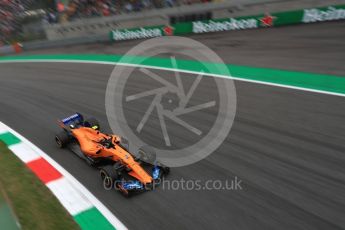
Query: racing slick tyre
{"type": "Point", "coordinates": [147, 154]}
{"type": "Point", "coordinates": [111, 179]}
{"type": "Point", "coordinates": [92, 123]}
{"type": "Point", "coordinates": [61, 139]}
{"type": "Point", "coordinates": [109, 176]}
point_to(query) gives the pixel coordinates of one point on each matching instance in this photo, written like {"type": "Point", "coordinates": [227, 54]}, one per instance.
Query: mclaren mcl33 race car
{"type": "Point", "coordinates": [119, 169]}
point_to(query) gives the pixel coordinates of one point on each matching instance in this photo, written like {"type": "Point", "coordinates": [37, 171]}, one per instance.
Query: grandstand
{"type": "Point", "coordinates": [80, 21]}
{"type": "Point", "coordinates": [76, 9]}
{"type": "Point", "coordinates": [15, 13]}
{"type": "Point", "coordinates": [32, 14]}
{"type": "Point", "coordinates": [9, 13]}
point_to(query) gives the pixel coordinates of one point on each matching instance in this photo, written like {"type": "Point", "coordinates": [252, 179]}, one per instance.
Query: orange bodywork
{"type": "Point", "coordinates": [89, 141]}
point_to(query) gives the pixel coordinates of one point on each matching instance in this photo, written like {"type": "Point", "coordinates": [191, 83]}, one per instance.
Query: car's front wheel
{"type": "Point", "coordinates": [109, 176]}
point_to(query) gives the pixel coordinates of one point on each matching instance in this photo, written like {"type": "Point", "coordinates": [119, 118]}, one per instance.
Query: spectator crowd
{"type": "Point", "coordinates": [75, 9]}
{"type": "Point", "coordinates": [10, 11]}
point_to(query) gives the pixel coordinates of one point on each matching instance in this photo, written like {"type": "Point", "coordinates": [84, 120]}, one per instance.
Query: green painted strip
{"type": "Point", "coordinates": [92, 219]}
{"type": "Point", "coordinates": [9, 139]}
{"type": "Point", "coordinates": [323, 82]}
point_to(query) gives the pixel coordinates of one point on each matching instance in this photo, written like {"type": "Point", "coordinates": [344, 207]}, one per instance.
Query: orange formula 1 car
{"type": "Point", "coordinates": [119, 168]}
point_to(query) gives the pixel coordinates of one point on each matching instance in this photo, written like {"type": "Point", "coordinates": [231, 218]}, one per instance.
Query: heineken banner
{"type": "Point", "coordinates": [140, 33]}
{"type": "Point", "coordinates": [239, 23]}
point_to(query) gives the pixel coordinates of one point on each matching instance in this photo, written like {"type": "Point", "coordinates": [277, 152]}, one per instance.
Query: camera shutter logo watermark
{"type": "Point", "coordinates": [184, 115]}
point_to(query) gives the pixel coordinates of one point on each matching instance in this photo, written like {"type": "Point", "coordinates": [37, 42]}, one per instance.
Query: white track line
{"type": "Point", "coordinates": [172, 70]}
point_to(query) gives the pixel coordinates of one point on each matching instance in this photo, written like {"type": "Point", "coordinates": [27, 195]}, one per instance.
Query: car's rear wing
{"type": "Point", "coordinates": [73, 119]}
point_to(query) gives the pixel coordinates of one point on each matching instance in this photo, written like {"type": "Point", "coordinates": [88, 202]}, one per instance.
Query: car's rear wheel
{"type": "Point", "coordinates": [92, 123]}
{"type": "Point", "coordinates": [62, 139]}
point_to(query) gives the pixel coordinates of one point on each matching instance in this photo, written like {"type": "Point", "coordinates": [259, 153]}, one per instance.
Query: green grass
{"type": "Point", "coordinates": [35, 206]}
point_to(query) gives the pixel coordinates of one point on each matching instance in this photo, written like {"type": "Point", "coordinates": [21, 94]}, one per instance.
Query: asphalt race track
{"type": "Point", "coordinates": [312, 48]}
{"type": "Point", "coordinates": [286, 146]}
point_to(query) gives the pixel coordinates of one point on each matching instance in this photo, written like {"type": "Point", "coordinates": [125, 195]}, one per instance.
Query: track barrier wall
{"type": "Point", "coordinates": [310, 15]}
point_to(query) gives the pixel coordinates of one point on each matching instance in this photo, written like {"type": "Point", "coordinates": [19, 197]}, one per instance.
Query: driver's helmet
{"type": "Point", "coordinates": [72, 126]}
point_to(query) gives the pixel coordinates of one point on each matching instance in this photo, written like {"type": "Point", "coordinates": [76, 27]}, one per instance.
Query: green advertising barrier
{"type": "Point", "coordinates": [239, 23]}
{"type": "Point", "coordinates": [269, 20]}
